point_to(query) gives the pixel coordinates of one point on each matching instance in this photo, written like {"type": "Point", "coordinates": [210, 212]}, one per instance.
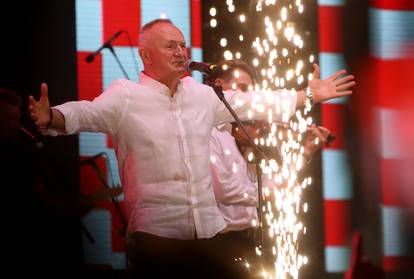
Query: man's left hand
{"type": "Point", "coordinates": [332, 87]}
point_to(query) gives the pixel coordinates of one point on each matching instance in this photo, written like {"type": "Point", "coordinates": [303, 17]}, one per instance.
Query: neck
{"type": "Point", "coordinates": [171, 83]}
{"type": "Point", "coordinates": [171, 80]}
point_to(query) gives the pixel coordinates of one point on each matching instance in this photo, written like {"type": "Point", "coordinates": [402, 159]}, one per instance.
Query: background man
{"type": "Point", "coordinates": [234, 178]}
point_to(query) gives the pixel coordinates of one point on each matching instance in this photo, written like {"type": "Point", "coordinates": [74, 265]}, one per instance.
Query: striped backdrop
{"type": "Point", "coordinates": [391, 45]}
{"type": "Point", "coordinates": [337, 179]}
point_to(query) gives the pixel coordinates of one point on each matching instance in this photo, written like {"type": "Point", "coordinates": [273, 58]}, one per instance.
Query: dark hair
{"type": "Point", "coordinates": [227, 73]}
{"type": "Point", "coordinates": [8, 96]}
{"type": "Point", "coordinates": [150, 24]}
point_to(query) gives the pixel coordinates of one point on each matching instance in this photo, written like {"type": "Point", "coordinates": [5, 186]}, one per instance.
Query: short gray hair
{"type": "Point", "coordinates": [151, 24]}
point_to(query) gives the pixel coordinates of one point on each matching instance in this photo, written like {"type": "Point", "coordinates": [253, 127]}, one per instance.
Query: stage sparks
{"type": "Point", "coordinates": [270, 29]}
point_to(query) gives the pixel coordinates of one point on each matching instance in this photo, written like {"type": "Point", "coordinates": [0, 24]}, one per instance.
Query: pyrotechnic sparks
{"type": "Point", "coordinates": [278, 57]}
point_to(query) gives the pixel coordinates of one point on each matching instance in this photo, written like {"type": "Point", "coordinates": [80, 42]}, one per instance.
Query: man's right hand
{"type": "Point", "coordinates": [315, 138]}
{"type": "Point", "coordinates": [40, 110]}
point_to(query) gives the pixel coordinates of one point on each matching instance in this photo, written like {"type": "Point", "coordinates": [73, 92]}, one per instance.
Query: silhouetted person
{"type": "Point", "coordinates": [35, 224]}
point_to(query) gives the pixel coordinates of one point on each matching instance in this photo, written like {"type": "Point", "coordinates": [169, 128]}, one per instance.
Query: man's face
{"type": "Point", "coordinates": [240, 80]}
{"type": "Point", "coordinates": [167, 52]}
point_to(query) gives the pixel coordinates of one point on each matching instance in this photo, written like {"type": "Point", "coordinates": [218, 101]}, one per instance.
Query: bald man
{"type": "Point", "coordinates": [161, 128]}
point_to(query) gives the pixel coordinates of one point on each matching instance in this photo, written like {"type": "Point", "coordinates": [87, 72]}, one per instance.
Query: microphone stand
{"type": "Point", "coordinates": [111, 49]}
{"type": "Point", "coordinates": [258, 154]}
{"type": "Point", "coordinates": [114, 202]}
{"type": "Point", "coordinates": [108, 45]}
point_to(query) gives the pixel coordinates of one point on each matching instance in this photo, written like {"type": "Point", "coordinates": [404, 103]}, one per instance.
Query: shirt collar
{"type": "Point", "coordinates": [156, 85]}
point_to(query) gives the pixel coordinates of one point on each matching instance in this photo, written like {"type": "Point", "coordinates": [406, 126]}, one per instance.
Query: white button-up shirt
{"type": "Point", "coordinates": [234, 181]}
{"type": "Point", "coordinates": [162, 148]}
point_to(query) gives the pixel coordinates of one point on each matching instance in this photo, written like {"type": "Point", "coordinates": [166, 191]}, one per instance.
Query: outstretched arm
{"type": "Point", "coordinates": [330, 88]}
{"type": "Point", "coordinates": [43, 115]}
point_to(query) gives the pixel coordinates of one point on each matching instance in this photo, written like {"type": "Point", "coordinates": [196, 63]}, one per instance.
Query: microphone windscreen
{"type": "Point", "coordinates": [89, 58]}
{"type": "Point", "coordinates": [187, 65]}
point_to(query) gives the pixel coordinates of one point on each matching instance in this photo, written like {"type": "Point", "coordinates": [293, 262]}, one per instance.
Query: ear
{"type": "Point", "coordinates": [145, 55]}
{"type": "Point", "coordinates": [219, 82]}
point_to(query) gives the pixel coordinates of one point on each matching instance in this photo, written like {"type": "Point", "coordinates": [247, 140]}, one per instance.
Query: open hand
{"type": "Point", "coordinates": [40, 110]}
{"type": "Point", "coordinates": [332, 87]}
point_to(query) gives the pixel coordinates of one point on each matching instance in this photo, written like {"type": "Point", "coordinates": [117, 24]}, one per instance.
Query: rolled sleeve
{"type": "Point", "coordinates": [103, 114]}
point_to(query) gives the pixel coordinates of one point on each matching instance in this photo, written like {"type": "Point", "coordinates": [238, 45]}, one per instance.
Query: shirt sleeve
{"type": "Point", "coordinates": [255, 106]}
{"type": "Point", "coordinates": [103, 114]}
{"type": "Point", "coordinates": [229, 186]}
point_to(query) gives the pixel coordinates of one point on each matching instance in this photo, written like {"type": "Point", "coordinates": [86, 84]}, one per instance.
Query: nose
{"type": "Point", "coordinates": [180, 51]}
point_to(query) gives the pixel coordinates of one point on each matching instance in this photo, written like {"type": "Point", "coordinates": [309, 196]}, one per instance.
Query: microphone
{"type": "Point", "coordinates": [203, 67]}
{"type": "Point", "coordinates": [107, 44]}
{"type": "Point", "coordinates": [329, 140]}
{"type": "Point", "coordinates": [33, 139]}
{"type": "Point", "coordinates": [91, 160]}
{"type": "Point", "coordinates": [28, 134]}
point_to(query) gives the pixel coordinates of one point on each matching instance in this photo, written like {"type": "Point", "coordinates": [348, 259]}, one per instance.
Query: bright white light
{"type": "Point", "coordinates": [280, 62]}
{"type": "Point", "coordinates": [283, 13]}
{"type": "Point", "coordinates": [228, 55]}
{"type": "Point", "coordinates": [213, 11]}
{"type": "Point", "coordinates": [236, 74]}
{"type": "Point", "coordinates": [213, 22]}
{"type": "Point", "coordinates": [311, 58]}
{"type": "Point", "coordinates": [213, 159]}
{"type": "Point", "coordinates": [234, 167]}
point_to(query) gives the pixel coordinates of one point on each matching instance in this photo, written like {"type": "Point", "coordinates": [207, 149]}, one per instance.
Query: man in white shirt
{"type": "Point", "coordinates": [234, 179]}
{"type": "Point", "coordinates": [161, 128]}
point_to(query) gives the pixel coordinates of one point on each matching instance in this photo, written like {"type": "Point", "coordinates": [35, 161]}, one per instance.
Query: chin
{"type": "Point", "coordinates": [180, 71]}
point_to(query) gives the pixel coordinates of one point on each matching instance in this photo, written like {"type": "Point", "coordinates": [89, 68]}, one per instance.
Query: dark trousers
{"type": "Point", "coordinates": [151, 256]}
{"type": "Point", "coordinates": [238, 248]}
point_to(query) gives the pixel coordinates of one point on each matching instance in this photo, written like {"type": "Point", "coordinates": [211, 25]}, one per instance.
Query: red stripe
{"type": "Point", "coordinates": [90, 185]}
{"type": "Point", "coordinates": [337, 222]}
{"type": "Point", "coordinates": [363, 102]}
{"type": "Point", "coordinates": [390, 182]}
{"type": "Point", "coordinates": [393, 264]}
{"type": "Point", "coordinates": [330, 28]}
{"type": "Point", "coordinates": [393, 4]}
{"type": "Point", "coordinates": [396, 182]}
{"type": "Point", "coordinates": [89, 180]}
{"type": "Point", "coordinates": [394, 82]}
{"type": "Point", "coordinates": [333, 117]}
{"type": "Point", "coordinates": [89, 77]}
{"type": "Point", "coordinates": [121, 15]}
{"type": "Point", "coordinates": [195, 23]}
{"type": "Point", "coordinates": [109, 143]}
